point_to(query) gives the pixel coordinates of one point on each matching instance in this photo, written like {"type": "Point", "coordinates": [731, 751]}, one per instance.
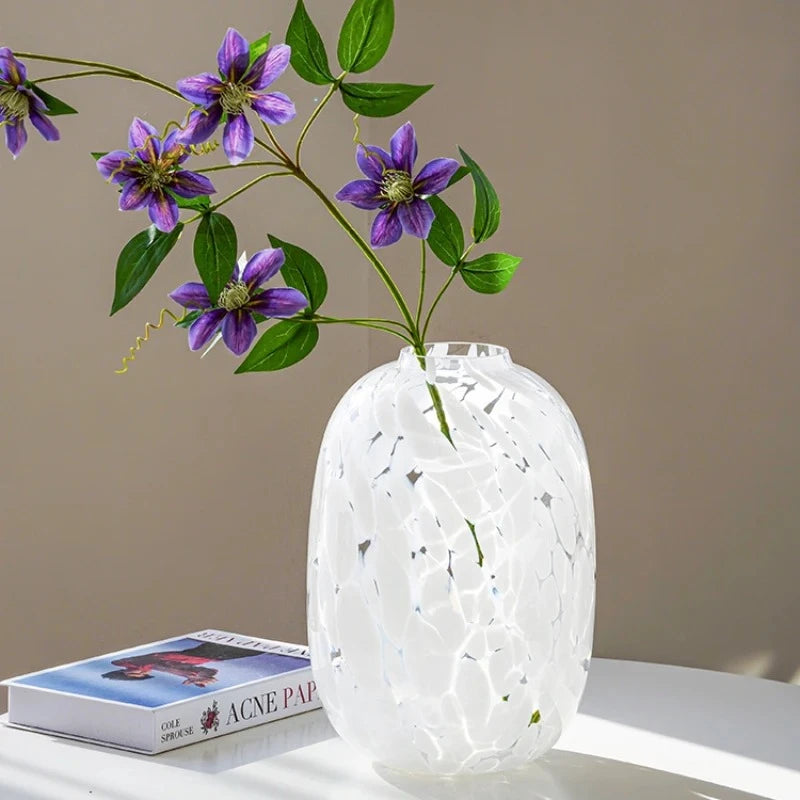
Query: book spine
{"type": "Point", "coordinates": [232, 710]}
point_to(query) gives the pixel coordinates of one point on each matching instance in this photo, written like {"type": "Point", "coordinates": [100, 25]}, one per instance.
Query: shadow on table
{"type": "Point", "coordinates": [713, 709]}
{"type": "Point", "coordinates": [563, 775]}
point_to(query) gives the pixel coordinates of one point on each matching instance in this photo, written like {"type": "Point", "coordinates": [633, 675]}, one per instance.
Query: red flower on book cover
{"type": "Point", "coordinates": [210, 719]}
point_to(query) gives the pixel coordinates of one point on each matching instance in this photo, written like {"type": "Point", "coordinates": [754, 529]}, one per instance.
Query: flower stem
{"type": "Point", "coordinates": [265, 146]}
{"type": "Point", "coordinates": [317, 111]}
{"type": "Point", "coordinates": [239, 166]}
{"type": "Point", "coordinates": [81, 74]}
{"type": "Point", "coordinates": [456, 269]}
{"type": "Point", "coordinates": [363, 323]}
{"type": "Point", "coordinates": [121, 72]}
{"type": "Point", "coordinates": [248, 185]}
{"type": "Point", "coordinates": [422, 271]}
{"type": "Point", "coordinates": [281, 153]}
{"type": "Point", "coordinates": [364, 247]}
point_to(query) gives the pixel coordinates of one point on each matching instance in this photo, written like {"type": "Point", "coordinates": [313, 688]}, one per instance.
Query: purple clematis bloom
{"type": "Point", "coordinates": [239, 301]}
{"type": "Point", "coordinates": [240, 84]}
{"type": "Point", "coordinates": [151, 176]}
{"type": "Point", "coordinates": [391, 188]}
{"type": "Point", "coordinates": [17, 101]}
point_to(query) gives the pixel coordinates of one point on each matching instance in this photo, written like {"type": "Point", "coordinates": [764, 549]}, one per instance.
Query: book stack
{"type": "Point", "coordinates": [167, 694]}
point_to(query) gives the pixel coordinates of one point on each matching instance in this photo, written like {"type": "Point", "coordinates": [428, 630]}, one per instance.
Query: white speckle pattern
{"type": "Point", "coordinates": [426, 659]}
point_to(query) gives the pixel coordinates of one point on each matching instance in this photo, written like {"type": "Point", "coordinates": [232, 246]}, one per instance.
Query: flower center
{"type": "Point", "coordinates": [234, 296]}
{"type": "Point", "coordinates": [397, 186]}
{"type": "Point", "coordinates": [233, 97]}
{"type": "Point", "coordinates": [14, 104]}
{"type": "Point", "coordinates": [155, 177]}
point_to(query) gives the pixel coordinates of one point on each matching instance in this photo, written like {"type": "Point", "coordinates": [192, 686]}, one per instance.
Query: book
{"type": "Point", "coordinates": [167, 694]}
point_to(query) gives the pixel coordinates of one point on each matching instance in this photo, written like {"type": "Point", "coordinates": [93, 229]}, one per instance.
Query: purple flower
{"type": "Point", "coordinates": [150, 174]}
{"type": "Point", "coordinates": [391, 188]}
{"type": "Point", "coordinates": [17, 101]}
{"type": "Point", "coordinates": [239, 301]}
{"type": "Point", "coordinates": [240, 84]}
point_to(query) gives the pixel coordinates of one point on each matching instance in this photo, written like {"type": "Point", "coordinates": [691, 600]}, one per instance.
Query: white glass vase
{"type": "Point", "coordinates": [451, 580]}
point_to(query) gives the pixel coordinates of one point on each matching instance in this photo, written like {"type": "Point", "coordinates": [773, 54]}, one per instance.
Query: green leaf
{"type": "Point", "coordinates": [282, 345]}
{"type": "Point", "coordinates": [380, 99]}
{"type": "Point", "coordinates": [55, 107]}
{"type": "Point", "coordinates": [536, 718]}
{"type": "Point", "coordinates": [188, 319]}
{"type": "Point", "coordinates": [215, 251]}
{"type": "Point", "coordinates": [446, 238]}
{"type": "Point", "coordinates": [309, 59]}
{"type": "Point", "coordinates": [365, 34]}
{"type": "Point", "coordinates": [460, 173]}
{"type": "Point", "coordinates": [97, 156]}
{"type": "Point", "coordinates": [201, 203]}
{"type": "Point", "coordinates": [491, 273]}
{"type": "Point", "coordinates": [259, 47]}
{"type": "Point", "coordinates": [487, 204]}
{"type": "Point", "coordinates": [303, 272]}
{"type": "Point", "coordinates": [138, 262]}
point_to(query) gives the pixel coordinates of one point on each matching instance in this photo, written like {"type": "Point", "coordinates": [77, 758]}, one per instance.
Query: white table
{"type": "Point", "coordinates": [645, 732]}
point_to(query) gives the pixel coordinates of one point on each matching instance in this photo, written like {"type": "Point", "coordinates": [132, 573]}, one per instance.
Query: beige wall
{"type": "Point", "coordinates": [647, 154]}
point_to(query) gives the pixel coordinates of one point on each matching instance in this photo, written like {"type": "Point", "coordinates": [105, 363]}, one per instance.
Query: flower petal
{"type": "Point", "coordinates": [238, 331]}
{"type": "Point", "coordinates": [404, 148]}
{"type": "Point", "coordinates": [163, 211]}
{"type": "Point", "coordinates": [275, 108]}
{"type": "Point", "coordinates": [191, 184]}
{"type": "Point", "coordinates": [11, 70]}
{"type": "Point", "coordinates": [269, 67]}
{"type": "Point", "coordinates": [135, 195]}
{"type": "Point", "coordinates": [281, 302]}
{"type": "Point", "coordinates": [174, 148]}
{"type": "Point", "coordinates": [234, 55]}
{"type": "Point", "coordinates": [191, 295]}
{"type": "Point", "coordinates": [373, 161]}
{"type": "Point", "coordinates": [435, 175]}
{"type": "Point", "coordinates": [204, 327]}
{"type": "Point", "coordinates": [362, 194]}
{"type": "Point", "coordinates": [201, 125]}
{"type": "Point", "coordinates": [16, 136]}
{"type": "Point", "coordinates": [44, 125]}
{"type": "Point", "coordinates": [141, 134]}
{"type": "Point", "coordinates": [115, 166]}
{"type": "Point", "coordinates": [201, 89]}
{"type": "Point", "coordinates": [386, 229]}
{"type": "Point", "coordinates": [416, 217]}
{"type": "Point", "coordinates": [262, 266]}
{"type": "Point", "coordinates": [238, 139]}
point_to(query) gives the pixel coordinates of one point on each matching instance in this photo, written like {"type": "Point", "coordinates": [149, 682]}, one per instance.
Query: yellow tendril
{"type": "Point", "coordinates": [140, 340]}
{"type": "Point", "coordinates": [205, 148]}
{"type": "Point", "coordinates": [357, 136]}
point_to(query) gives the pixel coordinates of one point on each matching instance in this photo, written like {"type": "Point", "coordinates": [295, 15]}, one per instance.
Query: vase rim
{"type": "Point", "coordinates": [457, 351]}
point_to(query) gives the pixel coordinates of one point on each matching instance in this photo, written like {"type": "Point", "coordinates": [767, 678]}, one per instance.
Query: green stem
{"type": "Point", "coordinates": [362, 323]}
{"type": "Point", "coordinates": [364, 247]}
{"type": "Point", "coordinates": [422, 271]}
{"type": "Point", "coordinates": [445, 287]}
{"type": "Point", "coordinates": [239, 166]}
{"type": "Point", "coordinates": [317, 111]}
{"type": "Point", "coordinates": [281, 153]}
{"type": "Point", "coordinates": [81, 74]}
{"type": "Point", "coordinates": [261, 143]}
{"type": "Point", "coordinates": [122, 72]}
{"type": "Point", "coordinates": [248, 185]}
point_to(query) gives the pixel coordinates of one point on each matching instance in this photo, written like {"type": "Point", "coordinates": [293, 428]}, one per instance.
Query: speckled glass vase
{"type": "Point", "coordinates": [451, 585]}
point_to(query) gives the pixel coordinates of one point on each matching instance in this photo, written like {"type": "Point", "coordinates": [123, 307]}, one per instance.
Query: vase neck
{"type": "Point", "coordinates": [454, 356]}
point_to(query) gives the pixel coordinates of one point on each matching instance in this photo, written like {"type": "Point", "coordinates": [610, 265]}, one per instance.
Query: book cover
{"type": "Point", "coordinates": [167, 694]}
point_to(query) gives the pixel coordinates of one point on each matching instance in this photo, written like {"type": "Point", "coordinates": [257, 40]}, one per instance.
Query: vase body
{"type": "Point", "coordinates": [451, 581]}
